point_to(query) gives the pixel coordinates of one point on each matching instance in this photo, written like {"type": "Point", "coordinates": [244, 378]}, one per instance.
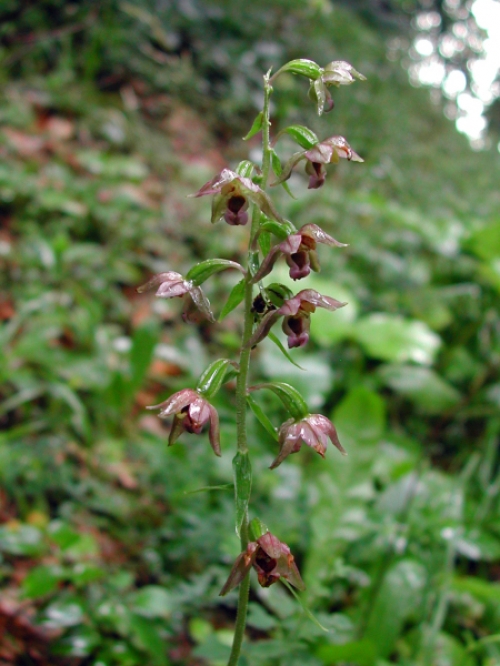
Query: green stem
{"type": "Point", "coordinates": [244, 366]}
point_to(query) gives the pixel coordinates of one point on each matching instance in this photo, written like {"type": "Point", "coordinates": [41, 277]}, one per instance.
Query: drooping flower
{"type": "Point", "coordinates": [337, 73]}
{"type": "Point", "coordinates": [300, 252]}
{"type": "Point", "coordinates": [272, 560]}
{"type": "Point", "coordinates": [232, 195]}
{"type": "Point", "coordinates": [191, 413]}
{"type": "Point", "coordinates": [296, 312]}
{"type": "Point", "coordinates": [313, 430]}
{"type": "Point", "coordinates": [173, 285]}
{"type": "Point", "coordinates": [328, 151]}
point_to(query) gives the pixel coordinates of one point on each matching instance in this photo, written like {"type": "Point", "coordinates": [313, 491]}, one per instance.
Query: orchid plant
{"type": "Point", "coordinates": [239, 197]}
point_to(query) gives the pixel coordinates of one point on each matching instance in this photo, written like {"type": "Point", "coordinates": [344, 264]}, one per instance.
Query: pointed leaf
{"type": "Point", "coordinates": [262, 418]}
{"type": "Point", "coordinates": [235, 297]}
{"type": "Point", "coordinates": [302, 67]}
{"type": "Point", "coordinates": [242, 487]}
{"type": "Point", "coordinates": [282, 231]}
{"type": "Point", "coordinates": [305, 137]}
{"type": "Point", "coordinates": [213, 377]}
{"type": "Point", "coordinates": [276, 165]}
{"type": "Point", "coordinates": [289, 396]}
{"type": "Point", "coordinates": [256, 127]}
{"type": "Point", "coordinates": [202, 271]}
{"type": "Point", "coordinates": [265, 242]}
{"type": "Point", "coordinates": [283, 349]}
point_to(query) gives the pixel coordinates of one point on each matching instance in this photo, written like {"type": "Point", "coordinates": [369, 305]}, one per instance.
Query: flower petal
{"type": "Point", "coordinates": [176, 402]}
{"type": "Point", "coordinates": [156, 280]}
{"type": "Point", "coordinates": [320, 236]}
{"type": "Point", "coordinates": [318, 300]}
{"type": "Point", "coordinates": [214, 431]}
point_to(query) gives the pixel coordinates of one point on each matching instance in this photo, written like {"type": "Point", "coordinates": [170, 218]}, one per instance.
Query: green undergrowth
{"type": "Point", "coordinates": [105, 547]}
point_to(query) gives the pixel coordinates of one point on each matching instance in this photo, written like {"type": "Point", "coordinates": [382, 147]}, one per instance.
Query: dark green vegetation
{"type": "Point", "coordinates": [106, 555]}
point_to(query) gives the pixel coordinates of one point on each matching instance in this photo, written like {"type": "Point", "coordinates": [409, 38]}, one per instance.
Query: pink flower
{"type": "Point", "coordinates": [191, 412]}
{"type": "Point", "coordinates": [271, 559]}
{"type": "Point", "coordinates": [328, 151]}
{"type": "Point", "coordinates": [313, 430]}
{"type": "Point", "coordinates": [173, 285]}
{"type": "Point", "coordinates": [300, 252]}
{"type": "Point", "coordinates": [296, 312]}
{"type": "Point", "coordinates": [233, 193]}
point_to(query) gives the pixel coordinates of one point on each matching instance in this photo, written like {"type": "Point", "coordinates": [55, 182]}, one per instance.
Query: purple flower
{"type": "Point", "coordinates": [313, 430]}
{"type": "Point", "coordinates": [300, 252]}
{"type": "Point", "coordinates": [296, 312]}
{"type": "Point", "coordinates": [191, 412]}
{"type": "Point", "coordinates": [233, 193]}
{"type": "Point", "coordinates": [328, 151]}
{"type": "Point", "coordinates": [173, 285]}
{"type": "Point", "coordinates": [272, 560]}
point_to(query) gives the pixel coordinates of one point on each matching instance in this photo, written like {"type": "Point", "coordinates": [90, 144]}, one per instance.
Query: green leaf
{"type": "Point", "coordinates": [213, 377]}
{"type": "Point", "coordinates": [485, 243]}
{"type": "Point", "coordinates": [261, 417]}
{"type": "Point", "coordinates": [281, 231]}
{"type": "Point", "coordinates": [144, 341]}
{"type": "Point", "coordinates": [235, 297]}
{"type": "Point", "coordinates": [242, 487]}
{"type": "Point", "coordinates": [361, 653]}
{"type": "Point", "coordinates": [256, 127]}
{"type": "Point", "coordinates": [283, 349]}
{"type": "Point", "coordinates": [289, 396]}
{"type": "Point", "coordinates": [41, 580]}
{"type": "Point", "coordinates": [423, 386]}
{"type": "Point", "coordinates": [276, 165]}
{"type": "Point", "coordinates": [152, 601]}
{"type": "Point", "coordinates": [304, 607]}
{"type": "Point", "coordinates": [146, 636]}
{"type": "Point", "coordinates": [305, 137]}
{"type": "Point", "coordinates": [361, 415]}
{"type": "Point", "coordinates": [393, 338]}
{"type": "Point", "coordinates": [265, 242]}
{"type": "Point", "coordinates": [302, 67]}
{"type": "Point", "coordinates": [205, 269]}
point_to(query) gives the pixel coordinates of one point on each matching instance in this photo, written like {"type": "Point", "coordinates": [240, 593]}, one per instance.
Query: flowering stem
{"type": "Point", "coordinates": [244, 366]}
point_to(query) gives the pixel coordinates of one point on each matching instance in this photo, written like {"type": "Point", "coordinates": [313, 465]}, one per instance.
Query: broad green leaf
{"type": "Point", "coordinates": [302, 67]}
{"type": "Point", "coordinates": [485, 243]}
{"type": "Point", "coordinates": [283, 349]}
{"type": "Point", "coordinates": [41, 581]}
{"type": "Point", "coordinates": [305, 137]}
{"type": "Point", "coordinates": [261, 417]}
{"type": "Point", "coordinates": [146, 635]}
{"type": "Point", "coordinates": [152, 601]}
{"type": "Point", "coordinates": [213, 377]}
{"type": "Point", "coordinates": [361, 653]}
{"type": "Point", "coordinates": [392, 338]}
{"type": "Point", "coordinates": [256, 127]}
{"type": "Point", "coordinates": [235, 297]}
{"type": "Point", "coordinates": [293, 402]}
{"type": "Point", "coordinates": [205, 269]}
{"type": "Point", "coordinates": [423, 386]}
{"type": "Point", "coordinates": [242, 487]}
{"type": "Point", "coordinates": [361, 415]}
{"type": "Point", "coordinates": [397, 600]}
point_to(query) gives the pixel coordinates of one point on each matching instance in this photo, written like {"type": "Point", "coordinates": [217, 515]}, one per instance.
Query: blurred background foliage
{"type": "Point", "coordinates": [112, 113]}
